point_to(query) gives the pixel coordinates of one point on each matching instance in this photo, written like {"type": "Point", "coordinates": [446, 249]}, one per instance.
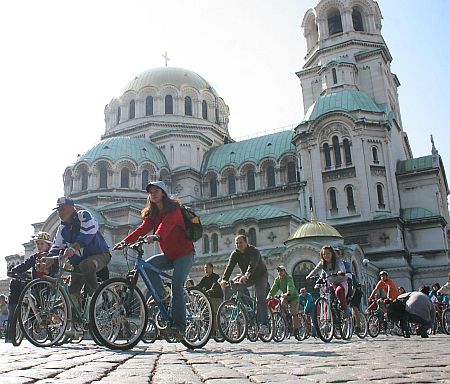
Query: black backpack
{"type": "Point", "coordinates": [396, 310]}
{"type": "Point", "coordinates": [194, 228]}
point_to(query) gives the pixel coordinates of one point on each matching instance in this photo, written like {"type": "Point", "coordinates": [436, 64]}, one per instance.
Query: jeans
{"type": "Point", "coordinates": [85, 273]}
{"type": "Point", "coordinates": [260, 285]}
{"type": "Point", "coordinates": [181, 268]}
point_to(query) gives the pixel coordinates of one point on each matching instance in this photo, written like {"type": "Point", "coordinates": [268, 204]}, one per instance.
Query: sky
{"type": "Point", "coordinates": [63, 61]}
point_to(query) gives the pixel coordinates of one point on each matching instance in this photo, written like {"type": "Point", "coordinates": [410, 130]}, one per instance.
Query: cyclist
{"type": "Point", "coordinates": [387, 285]}
{"type": "Point", "coordinates": [163, 216]}
{"type": "Point", "coordinates": [445, 289]}
{"type": "Point", "coordinates": [335, 271]}
{"type": "Point", "coordinates": [289, 298]}
{"type": "Point", "coordinates": [210, 284]}
{"type": "Point", "coordinates": [355, 303]}
{"type": "Point", "coordinates": [306, 300]}
{"type": "Point", "coordinates": [78, 236]}
{"type": "Point", "coordinates": [254, 274]}
{"type": "Point", "coordinates": [40, 268]}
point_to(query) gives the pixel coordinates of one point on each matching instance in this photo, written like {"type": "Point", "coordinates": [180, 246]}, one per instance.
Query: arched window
{"type": "Point", "coordinates": [145, 178]}
{"type": "Point", "coordinates": [149, 106]}
{"type": "Point", "coordinates": [119, 115]}
{"type": "Point", "coordinates": [270, 176]}
{"type": "Point", "coordinates": [252, 236]}
{"type": "Point", "coordinates": [337, 152]}
{"type": "Point", "coordinates": [231, 184]}
{"type": "Point", "coordinates": [250, 180]}
{"type": "Point", "coordinates": [347, 152]}
{"type": "Point", "coordinates": [132, 111]}
{"type": "Point", "coordinates": [350, 199]}
{"type": "Point", "coordinates": [213, 186]}
{"type": "Point", "coordinates": [299, 273]}
{"type": "Point", "coordinates": [291, 172]}
{"type": "Point", "coordinates": [334, 22]}
{"type": "Point", "coordinates": [357, 20]}
{"type": "Point", "coordinates": [84, 180]}
{"type": "Point", "coordinates": [188, 106]}
{"type": "Point", "coordinates": [375, 155]}
{"type": "Point", "coordinates": [380, 196]}
{"type": "Point", "coordinates": [204, 110]}
{"type": "Point", "coordinates": [215, 243]}
{"type": "Point", "coordinates": [205, 244]}
{"type": "Point", "coordinates": [168, 105]}
{"type": "Point", "coordinates": [103, 176]}
{"type": "Point", "coordinates": [327, 154]}
{"type": "Point", "coordinates": [217, 115]}
{"type": "Point", "coordinates": [125, 178]}
{"type": "Point", "coordinates": [333, 200]}
{"type": "Point", "coordinates": [334, 73]}
{"type": "Point", "coordinates": [242, 232]}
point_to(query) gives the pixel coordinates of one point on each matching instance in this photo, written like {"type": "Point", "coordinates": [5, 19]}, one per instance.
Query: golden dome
{"type": "Point", "coordinates": [315, 229]}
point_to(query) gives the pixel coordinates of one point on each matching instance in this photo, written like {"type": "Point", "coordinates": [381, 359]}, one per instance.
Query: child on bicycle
{"type": "Point", "coordinates": [335, 270]}
{"type": "Point", "coordinates": [162, 215]}
{"type": "Point", "coordinates": [39, 268]}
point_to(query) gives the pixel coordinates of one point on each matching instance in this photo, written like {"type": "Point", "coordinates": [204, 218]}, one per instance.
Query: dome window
{"type": "Point", "coordinates": [334, 73]}
{"type": "Point", "coordinates": [231, 184]}
{"type": "Point", "coordinates": [250, 180]}
{"type": "Point", "coordinates": [145, 179]}
{"type": "Point", "coordinates": [357, 20]}
{"type": "Point", "coordinates": [215, 243]}
{"type": "Point", "coordinates": [213, 186]}
{"type": "Point", "coordinates": [291, 172]}
{"type": "Point", "coordinates": [168, 105]}
{"type": "Point", "coordinates": [334, 22]}
{"type": "Point", "coordinates": [84, 180]}
{"type": "Point", "coordinates": [270, 172]}
{"type": "Point", "coordinates": [205, 244]}
{"type": "Point", "coordinates": [337, 151]}
{"type": "Point", "coordinates": [188, 106]}
{"type": "Point", "coordinates": [347, 152]}
{"type": "Point", "coordinates": [125, 178]}
{"type": "Point", "coordinates": [204, 110]}
{"type": "Point", "coordinates": [103, 177]}
{"type": "Point", "coordinates": [132, 111]}
{"type": "Point", "coordinates": [119, 115]}
{"type": "Point", "coordinates": [327, 154]}
{"type": "Point", "coordinates": [149, 106]}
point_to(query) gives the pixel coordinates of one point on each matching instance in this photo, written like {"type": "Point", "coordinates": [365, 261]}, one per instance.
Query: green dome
{"type": "Point", "coordinates": [178, 77]}
{"type": "Point", "coordinates": [346, 101]}
{"type": "Point", "coordinates": [315, 229]}
{"type": "Point", "coordinates": [116, 148]}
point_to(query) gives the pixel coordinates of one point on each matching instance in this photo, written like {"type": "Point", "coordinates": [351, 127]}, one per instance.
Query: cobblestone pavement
{"type": "Point", "coordinates": [382, 360]}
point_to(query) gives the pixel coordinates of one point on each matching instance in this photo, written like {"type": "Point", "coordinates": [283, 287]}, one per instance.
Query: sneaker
{"type": "Point", "coordinates": [263, 330]}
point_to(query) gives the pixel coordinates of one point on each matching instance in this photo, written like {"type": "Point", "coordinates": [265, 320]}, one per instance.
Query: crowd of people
{"type": "Point", "coordinates": [79, 242]}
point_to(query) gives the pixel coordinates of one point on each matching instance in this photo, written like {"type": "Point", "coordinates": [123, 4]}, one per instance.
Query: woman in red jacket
{"type": "Point", "coordinates": [162, 216]}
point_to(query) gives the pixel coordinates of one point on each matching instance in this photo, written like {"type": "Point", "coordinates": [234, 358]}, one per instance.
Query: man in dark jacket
{"type": "Point", "coordinates": [254, 274]}
{"type": "Point", "coordinates": [210, 284]}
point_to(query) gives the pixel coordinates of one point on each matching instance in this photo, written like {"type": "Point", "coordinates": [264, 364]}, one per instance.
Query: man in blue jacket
{"type": "Point", "coordinates": [79, 237]}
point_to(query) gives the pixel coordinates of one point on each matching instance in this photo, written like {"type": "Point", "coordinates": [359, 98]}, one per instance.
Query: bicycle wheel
{"type": "Point", "coordinates": [446, 321]}
{"type": "Point", "coordinates": [360, 327]}
{"type": "Point", "coordinates": [346, 326]}
{"type": "Point", "coordinates": [118, 314]}
{"type": "Point", "coordinates": [323, 320]}
{"type": "Point", "coordinates": [232, 321]}
{"type": "Point", "coordinates": [252, 330]}
{"type": "Point", "coordinates": [43, 313]}
{"type": "Point", "coordinates": [151, 332]}
{"type": "Point", "coordinates": [199, 319]}
{"type": "Point", "coordinates": [267, 335]}
{"type": "Point", "coordinates": [16, 331]}
{"type": "Point", "coordinates": [280, 327]}
{"type": "Point", "coordinates": [373, 325]}
{"type": "Point", "coordinates": [302, 333]}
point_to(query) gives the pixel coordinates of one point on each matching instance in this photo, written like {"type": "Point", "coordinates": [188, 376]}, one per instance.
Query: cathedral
{"type": "Point", "coordinates": [344, 176]}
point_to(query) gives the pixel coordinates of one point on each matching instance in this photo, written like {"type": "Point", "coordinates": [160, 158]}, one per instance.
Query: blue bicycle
{"type": "Point", "coordinates": [119, 312]}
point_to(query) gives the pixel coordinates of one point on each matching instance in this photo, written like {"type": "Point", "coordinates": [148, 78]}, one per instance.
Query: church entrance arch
{"type": "Point", "coordinates": [299, 273]}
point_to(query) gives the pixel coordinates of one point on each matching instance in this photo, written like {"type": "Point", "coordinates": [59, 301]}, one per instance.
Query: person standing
{"type": "Point", "coordinates": [289, 298]}
{"type": "Point", "coordinates": [254, 273]}
{"type": "Point", "coordinates": [162, 215]}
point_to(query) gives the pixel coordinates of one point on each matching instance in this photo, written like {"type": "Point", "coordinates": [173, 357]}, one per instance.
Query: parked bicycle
{"type": "Point", "coordinates": [119, 312]}
{"type": "Point", "coordinates": [329, 319]}
{"type": "Point", "coordinates": [236, 318]}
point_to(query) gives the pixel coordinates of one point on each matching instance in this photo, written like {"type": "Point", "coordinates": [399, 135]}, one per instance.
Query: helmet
{"type": "Point", "coordinates": [42, 236]}
{"type": "Point", "coordinates": [383, 273]}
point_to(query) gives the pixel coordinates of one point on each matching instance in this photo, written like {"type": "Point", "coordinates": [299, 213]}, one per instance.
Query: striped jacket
{"type": "Point", "coordinates": [83, 230]}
